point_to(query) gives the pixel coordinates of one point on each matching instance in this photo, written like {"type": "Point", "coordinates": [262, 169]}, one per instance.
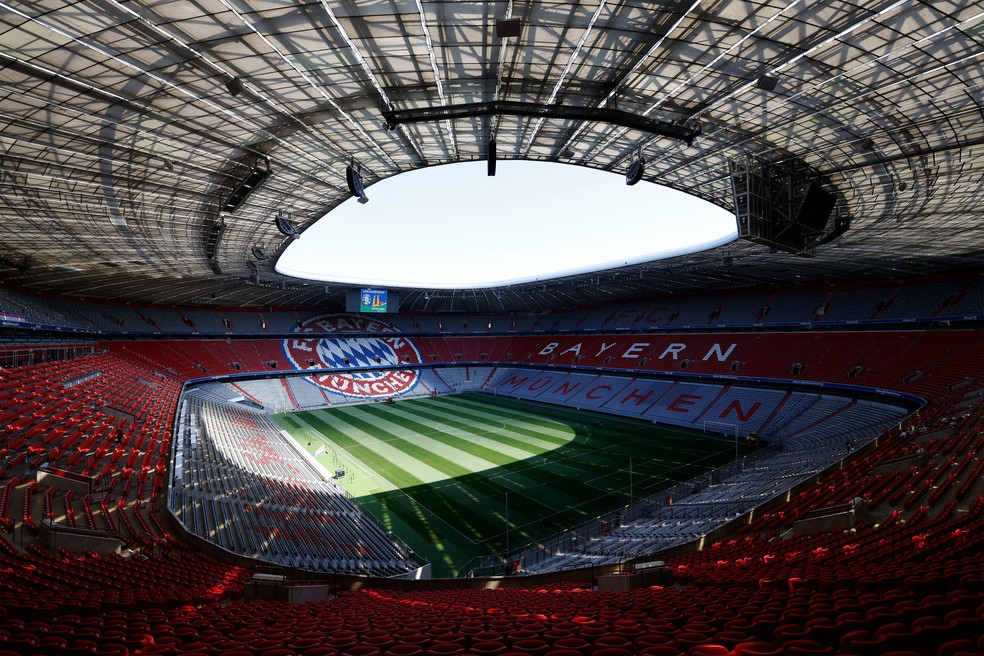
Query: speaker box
{"type": "Point", "coordinates": [354, 180]}
{"type": "Point", "coordinates": [636, 170]}
{"type": "Point", "coordinates": [767, 82]}
{"type": "Point", "coordinates": [234, 86]}
{"type": "Point", "coordinates": [490, 162]}
{"type": "Point", "coordinates": [816, 209]}
{"type": "Point", "coordinates": [508, 27]}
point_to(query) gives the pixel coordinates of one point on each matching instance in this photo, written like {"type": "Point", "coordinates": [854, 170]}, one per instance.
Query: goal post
{"type": "Point", "coordinates": [724, 429]}
{"type": "Point", "coordinates": [721, 428]}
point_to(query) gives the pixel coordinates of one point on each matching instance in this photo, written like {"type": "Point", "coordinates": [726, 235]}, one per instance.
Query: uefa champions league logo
{"type": "Point", "coordinates": [331, 349]}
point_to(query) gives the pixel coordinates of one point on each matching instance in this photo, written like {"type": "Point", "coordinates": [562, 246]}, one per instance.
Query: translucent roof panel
{"type": "Point", "coordinates": [125, 128]}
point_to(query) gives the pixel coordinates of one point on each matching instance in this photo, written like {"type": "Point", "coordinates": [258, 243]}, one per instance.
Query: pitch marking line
{"type": "Point", "coordinates": [385, 481]}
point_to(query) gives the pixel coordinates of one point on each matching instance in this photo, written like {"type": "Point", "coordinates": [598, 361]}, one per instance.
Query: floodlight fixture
{"type": "Point", "coordinates": [636, 170]}
{"type": "Point", "coordinates": [242, 188]}
{"type": "Point", "coordinates": [234, 86]}
{"type": "Point", "coordinates": [490, 160]}
{"type": "Point", "coordinates": [285, 226]}
{"type": "Point", "coordinates": [508, 28]}
{"type": "Point", "coordinates": [354, 179]}
{"type": "Point", "coordinates": [767, 82]}
{"type": "Point", "coordinates": [841, 224]}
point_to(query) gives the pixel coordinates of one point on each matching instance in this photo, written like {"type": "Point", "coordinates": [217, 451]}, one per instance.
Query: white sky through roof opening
{"type": "Point", "coordinates": [454, 227]}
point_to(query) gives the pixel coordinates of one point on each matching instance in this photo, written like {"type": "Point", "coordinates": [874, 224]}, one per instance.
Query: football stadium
{"type": "Point", "coordinates": [769, 441]}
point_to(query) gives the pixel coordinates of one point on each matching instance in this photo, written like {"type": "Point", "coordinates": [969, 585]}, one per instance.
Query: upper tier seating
{"type": "Point", "coordinates": [957, 299]}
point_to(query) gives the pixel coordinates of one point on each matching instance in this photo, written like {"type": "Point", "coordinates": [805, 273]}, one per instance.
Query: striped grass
{"type": "Point", "coordinates": [447, 474]}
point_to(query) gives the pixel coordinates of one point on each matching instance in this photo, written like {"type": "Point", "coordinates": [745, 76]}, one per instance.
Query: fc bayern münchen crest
{"type": "Point", "coordinates": [334, 351]}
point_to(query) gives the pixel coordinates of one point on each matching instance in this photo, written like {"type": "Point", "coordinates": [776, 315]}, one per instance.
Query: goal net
{"type": "Point", "coordinates": [721, 428]}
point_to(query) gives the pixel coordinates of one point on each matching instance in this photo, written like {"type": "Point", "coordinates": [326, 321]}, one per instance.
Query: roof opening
{"type": "Point", "coordinates": [454, 227]}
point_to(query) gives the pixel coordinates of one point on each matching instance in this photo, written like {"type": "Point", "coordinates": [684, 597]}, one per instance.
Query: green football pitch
{"type": "Point", "coordinates": [446, 474]}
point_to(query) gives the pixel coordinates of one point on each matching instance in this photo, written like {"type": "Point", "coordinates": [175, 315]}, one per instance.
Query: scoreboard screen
{"type": "Point", "coordinates": [372, 300]}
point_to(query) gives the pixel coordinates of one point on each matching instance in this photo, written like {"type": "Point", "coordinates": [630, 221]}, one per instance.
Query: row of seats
{"type": "Point", "coordinates": [91, 604]}
{"type": "Point", "coordinates": [303, 394]}
{"type": "Point", "coordinates": [916, 564]}
{"type": "Point", "coordinates": [799, 416]}
{"type": "Point", "coordinates": [680, 515]}
{"type": "Point", "coordinates": [111, 457]}
{"type": "Point", "coordinates": [238, 483]}
{"type": "Point", "coordinates": [100, 418]}
{"type": "Point", "coordinates": [914, 362]}
{"type": "Point", "coordinates": [954, 298]}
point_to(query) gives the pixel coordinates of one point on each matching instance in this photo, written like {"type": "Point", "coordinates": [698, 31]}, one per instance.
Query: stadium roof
{"type": "Point", "coordinates": [126, 126]}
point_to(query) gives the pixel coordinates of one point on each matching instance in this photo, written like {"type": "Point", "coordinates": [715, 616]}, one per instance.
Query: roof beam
{"type": "Point", "coordinates": [396, 117]}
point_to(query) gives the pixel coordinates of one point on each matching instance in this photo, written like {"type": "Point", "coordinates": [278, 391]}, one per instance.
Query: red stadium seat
{"type": "Point", "coordinates": [611, 641]}
{"type": "Point", "coordinates": [488, 648]}
{"type": "Point", "coordinates": [757, 648]}
{"type": "Point", "coordinates": [612, 651]}
{"type": "Point", "coordinates": [660, 650]}
{"type": "Point", "coordinates": [445, 649]}
{"type": "Point", "coordinates": [531, 646]}
{"type": "Point", "coordinates": [359, 650]}
{"type": "Point", "coordinates": [650, 639]}
{"type": "Point", "coordinates": [803, 647]}
{"type": "Point", "coordinates": [709, 649]}
{"type": "Point", "coordinates": [553, 634]}
{"type": "Point", "coordinates": [953, 647]}
{"type": "Point", "coordinates": [401, 649]}
{"type": "Point", "coordinates": [684, 640]}
{"type": "Point", "coordinates": [575, 644]}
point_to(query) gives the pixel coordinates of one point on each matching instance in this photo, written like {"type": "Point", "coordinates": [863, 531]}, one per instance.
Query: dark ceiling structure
{"type": "Point", "coordinates": [134, 135]}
